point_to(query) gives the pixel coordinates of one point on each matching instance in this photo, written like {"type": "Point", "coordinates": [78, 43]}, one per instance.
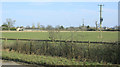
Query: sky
{"type": "Point", "coordinates": [60, 13]}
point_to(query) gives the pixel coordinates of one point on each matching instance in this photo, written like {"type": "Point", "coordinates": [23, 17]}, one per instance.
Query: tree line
{"type": "Point", "coordinates": [9, 25]}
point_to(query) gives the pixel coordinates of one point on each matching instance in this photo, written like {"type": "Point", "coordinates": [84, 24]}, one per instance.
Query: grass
{"type": "Point", "coordinates": [49, 60]}
{"type": "Point", "coordinates": [43, 60]}
{"type": "Point", "coordinates": [107, 53]}
{"type": "Point", "coordinates": [85, 36]}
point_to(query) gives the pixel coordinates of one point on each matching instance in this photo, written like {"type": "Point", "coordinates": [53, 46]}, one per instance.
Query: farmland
{"type": "Point", "coordinates": [64, 34]}
{"type": "Point", "coordinates": [83, 36]}
{"type": "Point", "coordinates": [80, 52]}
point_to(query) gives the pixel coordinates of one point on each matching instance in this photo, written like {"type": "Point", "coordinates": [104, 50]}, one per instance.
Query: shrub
{"type": "Point", "coordinates": [80, 51]}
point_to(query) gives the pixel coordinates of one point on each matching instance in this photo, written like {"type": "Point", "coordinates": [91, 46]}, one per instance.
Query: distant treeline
{"type": "Point", "coordinates": [61, 28]}
{"type": "Point", "coordinates": [9, 25]}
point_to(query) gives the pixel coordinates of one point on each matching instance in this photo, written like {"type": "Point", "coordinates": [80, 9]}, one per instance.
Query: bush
{"type": "Point", "coordinates": [91, 29]}
{"type": "Point", "coordinates": [13, 29]}
{"type": "Point", "coordinates": [80, 51]}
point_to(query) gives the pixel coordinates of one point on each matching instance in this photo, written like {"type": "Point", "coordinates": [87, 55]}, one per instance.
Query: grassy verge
{"type": "Point", "coordinates": [105, 53]}
{"type": "Point", "coordinates": [43, 60]}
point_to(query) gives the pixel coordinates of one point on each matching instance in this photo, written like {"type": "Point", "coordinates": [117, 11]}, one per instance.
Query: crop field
{"type": "Point", "coordinates": [81, 36]}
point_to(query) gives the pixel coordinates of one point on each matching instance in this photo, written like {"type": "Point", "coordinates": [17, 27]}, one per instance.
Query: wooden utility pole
{"type": "Point", "coordinates": [101, 19]}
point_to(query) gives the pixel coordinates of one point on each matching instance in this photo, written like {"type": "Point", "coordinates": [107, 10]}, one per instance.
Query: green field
{"type": "Point", "coordinates": [85, 36]}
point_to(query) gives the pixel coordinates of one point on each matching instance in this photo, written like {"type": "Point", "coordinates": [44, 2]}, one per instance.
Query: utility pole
{"type": "Point", "coordinates": [101, 19]}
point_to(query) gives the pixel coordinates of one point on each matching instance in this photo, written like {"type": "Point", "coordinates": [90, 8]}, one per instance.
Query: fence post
{"type": "Point", "coordinates": [88, 49]}
{"type": "Point", "coordinates": [17, 46]}
{"type": "Point", "coordinates": [72, 50]}
{"type": "Point", "coordinates": [45, 45]}
{"type": "Point", "coordinates": [5, 43]}
{"type": "Point", "coordinates": [30, 46]}
{"type": "Point", "coordinates": [6, 39]}
{"type": "Point", "coordinates": [17, 40]}
{"type": "Point", "coordinates": [118, 53]}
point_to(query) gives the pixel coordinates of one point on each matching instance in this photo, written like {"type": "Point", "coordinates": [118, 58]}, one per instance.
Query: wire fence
{"type": "Point", "coordinates": [80, 50]}
{"type": "Point", "coordinates": [94, 42]}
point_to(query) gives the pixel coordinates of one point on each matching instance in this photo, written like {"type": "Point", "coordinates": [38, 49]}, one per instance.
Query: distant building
{"type": "Point", "coordinates": [20, 29]}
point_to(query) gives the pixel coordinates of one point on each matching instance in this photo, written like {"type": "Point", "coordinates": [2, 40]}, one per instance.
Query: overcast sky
{"type": "Point", "coordinates": [60, 13]}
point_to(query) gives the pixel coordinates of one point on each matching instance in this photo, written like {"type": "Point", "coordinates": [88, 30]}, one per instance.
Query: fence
{"type": "Point", "coordinates": [94, 42]}
{"type": "Point", "coordinates": [80, 50]}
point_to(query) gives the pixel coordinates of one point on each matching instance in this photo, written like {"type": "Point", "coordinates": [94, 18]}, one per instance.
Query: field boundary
{"type": "Point", "coordinates": [59, 31]}
{"type": "Point", "coordinates": [94, 42]}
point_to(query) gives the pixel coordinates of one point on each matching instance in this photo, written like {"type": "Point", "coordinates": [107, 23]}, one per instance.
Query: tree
{"type": "Point", "coordinates": [21, 26]}
{"type": "Point", "coordinates": [38, 25]}
{"type": "Point", "coordinates": [88, 27]}
{"type": "Point", "coordinates": [96, 25]}
{"type": "Point", "coordinates": [42, 27]}
{"type": "Point", "coordinates": [33, 26]}
{"type": "Point", "coordinates": [57, 27]}
{"type": "Point", "coordinates": [27, 27]}
{"type": "Point", "coordinates": [4, 26]}
{"type": "Point", "coordinates": [49, 27]}
{"type": "Point", "coordinates": [61, 27]}
{"type": "Point", "coordinates": [9, 22]}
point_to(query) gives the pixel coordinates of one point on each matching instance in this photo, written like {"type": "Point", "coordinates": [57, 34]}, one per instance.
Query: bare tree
{"type": "Point", "coordinates": [96, 25]}
{"type": "Point", "coordinates": [42, 27]}
{"type": "Point", "coordinates": [28, 27]}
{"type": "Point", "coordinates": [38, 25]}
{"type": "Point", "coordinates": [10, 23]}
{"type": "Point", "coordinates": [33, 26]}
{"type": "Point", "coordinates": [49, 27]}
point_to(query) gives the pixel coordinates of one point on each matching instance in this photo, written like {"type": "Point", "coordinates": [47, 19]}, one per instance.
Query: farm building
{"type": "Point", "coordinates": [20, 29]}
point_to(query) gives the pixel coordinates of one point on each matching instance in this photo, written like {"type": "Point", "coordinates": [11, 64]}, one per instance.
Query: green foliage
{"type": "Point", "coordinates": [40, 59]}
{"type": "Point", "coordinates": [13, 29]}
{"type": "Point", "coordinates": [106, 53]}
{"type": "Point", "coordinates": [4, 25]}
{"type": "Point", "coordinates": [10, 23]}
